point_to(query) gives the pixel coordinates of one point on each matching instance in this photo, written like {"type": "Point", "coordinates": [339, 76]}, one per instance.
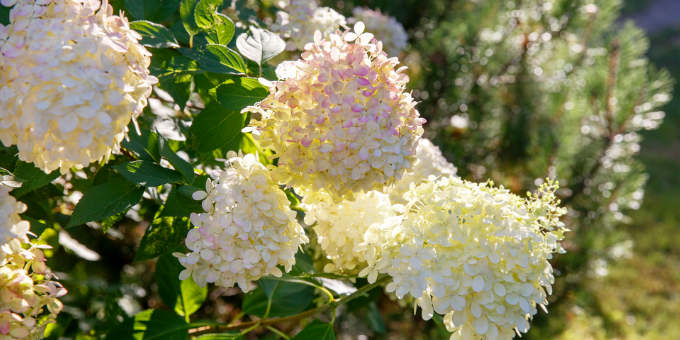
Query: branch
{"type": "Point", "coordinates": [270, 321]}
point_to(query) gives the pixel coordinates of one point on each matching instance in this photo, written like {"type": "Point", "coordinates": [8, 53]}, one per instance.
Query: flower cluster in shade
{"type": "Point", "coordinates": [300, 19]}
{"type": "Point", "coordinates": [28, 292]}
{"type": "Point", "coordinates": [342, 121]}
{"type": "Point", "coordinates": [247, 230]}
{"type": "Point", "coordinates": [351, 231]}
{"type": "Point", "coordinates": [72, 76]}
{"type": "Point", "coordinates": [474, 253]}
{"type": "Point", "coordinates": [386, 29]}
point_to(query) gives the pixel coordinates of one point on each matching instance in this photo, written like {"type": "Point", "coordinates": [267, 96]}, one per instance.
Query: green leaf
{"type": "Point", "coordinates": [154, 35]}
{"type": "Point", "coordinates": [228, 57]}
{"type": "Point", "coordinates": [208, 61]}
{"type": "Point", "coordinates": [224, 28]}
{"type": "Point", "coordinates": [184, 167]}
{"type": "Point", "coordinates": [179, 88]}
{"type": "Point", "coordinates": [31, 178]}
{"type": "Point", "coordinates": [169, 63]}
{"type": "Point", "coordinates": [105, 200]}
{"type": "Point", "coordinates": [216, 127]}
{"type": "Point", "coordinates": [204, 13]}
{"type": "Point", "coordinates": [241, 92]}
{"type": "Point", "coordinates": [144, 146]}
{"type": "Point", "coordinates": [147, 173]}
{"type": "Point", "coordinates": [316, 330]}
{"type": "Point", "coordinates": [178, 204]}
{"type": "Point", "coordinates": [156, 324]}
{"type": "Point", "coordinates": [186, 297]}
{"type": "Point", "coordinates": [260, 46]}
{"type": "Point", "coordinates": [221, 336]}
{"type": "Point", "coordinates": [186, 12]}
{"type": "Point", "coordinates": [153, 10]}
{"type": "Point", "coordinates": [375, 320]}
{"type": "Point", "coordinates": [164, 235]}
{"type": "Point", "coordinates": [288, 298]}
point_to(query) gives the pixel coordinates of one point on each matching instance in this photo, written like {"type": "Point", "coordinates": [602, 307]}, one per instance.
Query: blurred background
{"type": "Point", "coordinates": [515, 91]}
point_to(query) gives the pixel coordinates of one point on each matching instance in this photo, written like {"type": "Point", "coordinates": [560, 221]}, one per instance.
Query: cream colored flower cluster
{"type": "Point", "coordinates": [28, 294]}
{"type": "Point", "coordinates": [11, 224]}
{"type": "Point", "coordinates": [342, 122]}
{"type": "Point", "coordinates": [301, 19]}
{"type": "Point", "coordinates": [72, 76]}
{"type": "Point", "coordinates": [476, 254]}
{"type": "Point", "coordinates": [246, 231]}
{"type": "Point", "coordinates": [429, 162]}
{"type": "Point", "coordinates": [351, 232]}
{"type": "Point", "coordinates": [386, 29]}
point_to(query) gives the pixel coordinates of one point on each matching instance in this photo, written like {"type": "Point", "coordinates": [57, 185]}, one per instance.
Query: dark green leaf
{"type": "Point", "coordinates": [169, 63]}
{"type": "Point", "coordinates": [238, 93]}
{"type": "Point", "coordinates": [260, 46]}
{"type": "Point", "coordinates": [186, 297]}
{"type": "Point", "coordinates": [287, 298]}
{"type": "Point", "coordinates": [31, 178]}
{"type": "Point", "coordinates": [178, 204]}
{"type": "Point", "coordinates": [221, 336]}
{"type": "Point", "coordinates": [303, 264]}
{"type": "Point", "coordinates": [156, 324]}
{"type": "Point", "coordinates": [164, 235]}
{"type": "Point", "coordinates": [147, 173]}
{"type": "Point", "coordinates": [105, 200]}
{"type": "Point", "coordinates": [208, 61]}
{"type": "Point", "coordinates": [316, 330]}
{"type": "Point", "coordinates": [154, 35]}
{"type": "Point", "coordinates": [153, 10]}
{"type": "Point", "coordinates": [144, 146]}
{"type": "Point", "coordinates": [216, 127]}
{"type": "Point", "coordinates": [179, 88]}
{"type": "Point", "coordinates": [375, 320]}
{"type": "Point", "coordinates": [186, 12]}
{"type": "Point", "coordinates": [184, 167]}
{"type": "Point", "coordinates": [228, 57]}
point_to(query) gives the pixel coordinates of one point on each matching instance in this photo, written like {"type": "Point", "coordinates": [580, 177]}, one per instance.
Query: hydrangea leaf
{"type": "Point", "coordinates": [287, 298]}
{"type": "Point", "coordinates": [227, 57]}
{"type": "Point", "coordinates": [241, 92]}
{"type": "Point", "coordinates": [181, 165]}
{"type": "Point", "coordinates": [164, 235]}
{"type": "Point", "coordinates": [31, 177]}
{"type": "Point", "coordinates": [317, 330]}
{"type": "Point", "coordinates": [104, 200]}
{"type": "Point", "coordinates": [147, 173]}
{"type": "Point", "coordinates": [217, 127]}
{"type": "Point", "coordinates": [260, 45]}
{"type": "Point", "coordinates": [154, 35]}
{"type": "Point", "coordinates": [186, 297]}
{"type": "Point", "coordinates": [154, 324]}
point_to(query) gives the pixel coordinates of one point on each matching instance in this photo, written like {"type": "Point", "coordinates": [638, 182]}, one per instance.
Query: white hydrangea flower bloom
{"type": "Point", "coordinates": [342, 121]}
{"type": "Point", "coordinates": [351, 231]}
{"type": "Point", "coordinates": [386, 29]}
{"type": "Point", "coordinates": [246, 231]}
{"type": "Point", "coordinates": [476, 254]}
{"type": "Point", "coordinates": [11, 224]}
{"type": "Point", "coordinates": [429, 162]}
{"type": "Point", "coordinates": [72, 76]}
{"type": "Point", "coordinates": [28, 293]}
{"type": "Point", "coordinates": [301, 19]}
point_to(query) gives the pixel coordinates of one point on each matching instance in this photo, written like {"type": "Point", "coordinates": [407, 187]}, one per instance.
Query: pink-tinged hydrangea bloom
{"type": "Point", "coordinates": [28, 292]}
{"type": "Point", "coordinates": [246, 231]}
{"type": "Point", "coordinates": [385, 28]}
{"type": "Point", "coordinates": [72, 75]}
{"type": "Point", "coordinates": [476, 254]}
{"type": "Point", "coordinates": [301, 19]}
{"type": "Point", "coordinates": [342, 121]}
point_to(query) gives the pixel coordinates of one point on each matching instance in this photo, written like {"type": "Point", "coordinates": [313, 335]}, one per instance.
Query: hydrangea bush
{"type": "Point", "coordinates": [256, 190]}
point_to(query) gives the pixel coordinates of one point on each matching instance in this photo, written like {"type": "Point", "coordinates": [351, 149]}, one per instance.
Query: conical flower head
{"type": "Point", "coordinates": [72, 76]}
{"type": "Point", "coordinates": [342, 121]}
